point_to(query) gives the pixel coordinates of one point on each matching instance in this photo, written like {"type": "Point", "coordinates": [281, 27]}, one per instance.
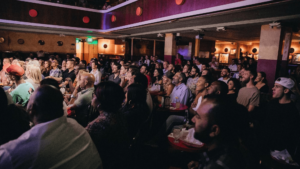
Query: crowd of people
{"type": "Point", "coordinates": [58, 113]}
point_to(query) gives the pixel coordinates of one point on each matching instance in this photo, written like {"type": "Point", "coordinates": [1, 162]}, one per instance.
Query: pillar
{"type": "Point", "coordinates": [170, 47]}
{"type": "Point", "coordinates": [197, 46]}
{"type": "Point", "coordinates": [269, 52]}
{"type": "Point", "coordinates": [238, 48]}
{"type": "Point", "coordinates": [285, 55]}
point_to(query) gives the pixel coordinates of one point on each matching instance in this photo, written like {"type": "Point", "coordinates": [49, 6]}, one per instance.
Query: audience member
{"type": "Point", "coordinates": [217, 125]}
{"type": "Point", "coordinates": [171, 68]}
{"type": "Point", "coordinates": [21, 93]}
{"type": "Point", "coordinates": [168, 86]}
{"type": "Point", "coordinates": [261, 82]}
{"type": "Point", "coordinates": [145, 70]}
{"type": "Point", "coordinates": [193, 79]}
{"type": "Point", "coordinates": [69, 73]}
{"type": "Point", "coordinates": [115, 76]}
{"type": "Point", "coordinates": [83, 95]}
{"type": "Point", "coordinates": [177, 59]}
{"type": "Point", "coordinates": [109, 129]}
{"type": "Point", "coordinates": [218, 88]}
{"type": "Point", "coordinates": [47, 68]}
{"type": "Point", "coordinates": [233, 89]}
{"type": "Point", "coordinates": [135, 109]}
{"type": "Point", "coordinates": [186, 70]}
{"type": "Point", "coordinates": [236, 74]}
{"type": "Point", "coordinates": [123, 73]}
{"type": "Point", "coordinates": [181, 92]}
{"type": "Point", "coordinates": [198, 63]}
{"type": "Point", "coordinates": [233, 66]}
{"type": "Point", "coordinates": [279, 129]}
{"type": "Point", "coordinates": [165, 65]}
{"type": "Point", "coordinates": [147, 61]}
{"type": "Point", "coordinates": [64, 66]}
{"type": "Point", "coordinates": [141, 61]}
{"type": "Point", "coordinates": [225, 75]}
{"type": "Point", "coordinates": [249, 95]}
{"type": "Point", "coordinates": [95, 71]}
{"type": "Point", "coordinates": [55, 72]}
{"type": "Point", "coordinates": [157, 77]}
{"type": "Point", "coordinates": [33, 74]}
{"type": "Point", "coordinates": [58, 137]}
{"type": "Point", "coordinates": [214, 64]}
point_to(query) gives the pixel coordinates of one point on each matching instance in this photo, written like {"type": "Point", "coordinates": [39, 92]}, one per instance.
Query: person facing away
{"type": "Point", "coordinates": [219, 124]}
{"type": "Point", "coordinates": [55, 141]}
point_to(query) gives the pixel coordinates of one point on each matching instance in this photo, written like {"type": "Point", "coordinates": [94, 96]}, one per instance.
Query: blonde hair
{"type": "Point", "coordinates": [79, 73]}
{"type": "Point", "coordinates": [15, 62]}
{"type": "Point", "coordinates": [34, 73]}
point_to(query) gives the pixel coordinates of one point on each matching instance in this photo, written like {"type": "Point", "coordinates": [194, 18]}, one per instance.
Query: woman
{"type": "Point", "coordinates": [168, 86]}
{"type": "Point", "coordinates": [109, 130]}
{"type": "Point", "coordinates": [95, 71]}
{"type": "Point", "coordinates": [214, 64]}
{"type": "Point", "coordinates": [261, 82]}
{"type": "Point", "coordinates": [33, 73]}
{"type": "Point", "coordinates": [64, 65]}
{"type": "Point", "coordinates": [171, 68]}
{"type": "Point", "coordinates": [158, 65]}
{"type": "Point", "coordinates": [178, 60]}
{"type": "Point", "coordinates": [157, 77]}
{"type": "Point", "coordinates": [201, 87]}
{"type": "Point", "coordinates": [123, 75]}
{"type": "Point", "coordinates": [76, 81]}
{"type": "Point", "coordinates": [233, 89]}
{"type": "Point", "coordinates": [41, 62]}
{"type": "Point", "coordinates": [47, 68]}
{"type": "Point", "coordinates": [135, 109]}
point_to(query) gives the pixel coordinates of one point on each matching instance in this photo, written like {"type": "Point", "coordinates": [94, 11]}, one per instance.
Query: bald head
{"type": "Point", "coordinates": [87, 80]}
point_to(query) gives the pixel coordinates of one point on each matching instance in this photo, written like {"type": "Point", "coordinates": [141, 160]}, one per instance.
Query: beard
{"type": "Point", "coordinates": [245, 81]}
{"type": "Point", "coordinates": [192, 76]}
{"type": "Point", "coordinates": [203, 136]}
{"type": "Point", "coordinates": [175, 82]}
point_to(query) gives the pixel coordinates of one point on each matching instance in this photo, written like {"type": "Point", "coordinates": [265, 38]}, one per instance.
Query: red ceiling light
{"type": "Point", "coordinates": [139, 11]}
{"type": "Point", "coordinates": [113, 18]}
{"type": "Point", "coordinates": [33, 13]}
{"type": "Point", "coordinates": [179, 2]}
{"type": "Point", "coordinates": [86, 19]}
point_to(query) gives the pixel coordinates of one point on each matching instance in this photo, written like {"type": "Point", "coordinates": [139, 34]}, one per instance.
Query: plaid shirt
{"type": "Point", "coordinates": [56, 72]}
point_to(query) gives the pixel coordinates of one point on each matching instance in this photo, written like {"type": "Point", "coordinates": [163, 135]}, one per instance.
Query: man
{"type": "Point", "coordinates": [218, 124]}
{"type": "Point", "coordinates": [280, 128]}
{"type": "Point", "coordinates": [54, 142]}
{"type": "Point", "coordinates": [147, 61]}
{"type": "Point", "coordinates": [193, 78]}
{"type": "Point", "coordinates": [198, 63]}
{"type": "Point", "coordinates": [236, 75]}
{"type": "Point", "coordinates": [55, 72]}
{"type": "Point", "coordinates": [23, 89]}
{"type": "Point", "coordinates": [165, 65]}
{"type": "Point", "coordinates": [186, 70]}
{"type": "Point", "coordinates": [225, 75]}
{"type": "Point", "coordinates": [82, 97]}
{"type": "Point", "coordinates": [76, 60]}
{"type": "Point", "coordinates": [58, 59]}
{"type": "Point", "coordinates": [233, 66]}
{"type": "Point", "coordinates": [68, 73]}
{"type": "Point", "coordinates": [115, 76]}
{"type": "Point", "coordinates": [144, 70]}
{"type": "Point", "coordinates": [141, 61]}
{"type": "Point", "coordinates": [249, 95]}
{"type": "Point", "coordinates": [217, 88]}
{"type": "Point", "coordinates": [181, 92]}
{"type": "Point", "coordinates": [121, 62]}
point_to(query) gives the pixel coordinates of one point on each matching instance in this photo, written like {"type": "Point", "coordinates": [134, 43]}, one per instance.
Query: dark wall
{"type": "Point", "coordinates": [144, 47]}
{"type": "Point", "coordinates": [206, 45]}
{"type": "Point", "coordinates": [153, 9]}
{"type": "Point", "coordinates": [19, 11]}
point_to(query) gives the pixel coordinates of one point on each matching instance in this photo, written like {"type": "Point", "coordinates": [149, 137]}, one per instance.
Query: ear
{"type": "Point", "coordinates": [206, 85]}
{"type": "Point", "coordinates": [286, 91]}
{"type": "Point", "coordinates": [86, 81]}
{"type": "Point", "coordinates": [215, 131]}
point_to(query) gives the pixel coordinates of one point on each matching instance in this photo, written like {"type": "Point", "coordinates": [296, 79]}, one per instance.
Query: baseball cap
{"type": "Point", "coordinates": [15, 70]}
{"type": "Point", "coordinates": [285, 82]}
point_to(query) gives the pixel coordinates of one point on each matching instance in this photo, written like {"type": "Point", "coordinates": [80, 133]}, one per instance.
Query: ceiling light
{"type": "Point", "coordinates": [221, 29]}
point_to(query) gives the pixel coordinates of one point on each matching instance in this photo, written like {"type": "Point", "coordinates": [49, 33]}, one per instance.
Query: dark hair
{"type": "Point", "coordinates": [222, 87]}
{"type": "Point", "coordinates": [231, 118]}
{"type": "Point", "coordinates": [234, 61]}
{"type": "Point", "coordinates": [4, 101]}
{"type": "Point", "coordinates": [146, 66]}
{"type": "Point", "coordinates": [141, 79]}
{"type": "Point", "coordinates": [110, 96]}
{"type": "Point", "coordinates": [166, 61]}
{"type": "Point", "coordinates": [77, 59]}
{"type": "Point", "coordinates": [71, 60]}
{"type": "Point", "coordinates": [182, 75]}
{"type": "Point", "coordinates": [197, 69]}
{"type": "Point", "coordinates": [227, 69]}
{"type": "Point", "coordinates": [48, 103]}
{"type": "Point", "coordinates": [51, 82]}
{"type": "Point", "coordinates": [118, 65]}
{"type": "Point", "coordinates": [252, 72]}
{"type": "Point", "coordinates": [236, 84]}
{"type": "Point", "coordinates": [160, 74]}
{"type": "Point", "coordinates": [169, 75]}
{"type": "Point", "coordinates": [136, 95]}
{"type": "Point", "coordinates": [263, 74]}
{"type": "Point", "coordinates": [198, 59]}
{"type": "Point", "coordinates": [64, 60]}
{"type": "Point", "coordinates": [134, 71]}
{"type": "Point", "coordinates": [207, 79]}
{"type": "Point", "coordinates": [189, 66]}
{"type": "Point", "coordinates": [84, 62]}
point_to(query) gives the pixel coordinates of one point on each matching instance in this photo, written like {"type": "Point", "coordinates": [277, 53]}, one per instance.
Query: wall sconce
{"type": "Point", "coordinates": [41, 42]}
{"type": "Point", "coordinates": [226, 49]}
{"type": "Point", "coordinates": [254, 50]}
{"type": "Point", "coordinates": [105, 46]}
{"type": "Point", "coordinates": [292, 50]}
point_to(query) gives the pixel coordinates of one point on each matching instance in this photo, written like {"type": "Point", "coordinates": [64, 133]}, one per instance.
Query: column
{"type": "Point", "coordinates": [269, 52]}
{"type": "Point", "coordinates": [238, 48]}
{"type": "Point", "coordinates": [170, 47]}
{"type": "Point", "coordinates": [154, 47]}
{"type": "Point", "coordinates": [197, 46]}
{"type": "Point", "coordinates": [285, 56]}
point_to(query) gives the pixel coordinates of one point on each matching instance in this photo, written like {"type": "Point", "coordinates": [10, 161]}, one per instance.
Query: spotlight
{"type": "Point", "coordinates": [275, 24]}
{"type": "Point", "coordinates": [201, 36]}
{"type": "Point", "coordinates": [160, 35]}
{"type": "Point", "coordinates": [221, 29]}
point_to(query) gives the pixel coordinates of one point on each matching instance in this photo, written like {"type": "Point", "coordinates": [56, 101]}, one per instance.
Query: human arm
{"type": "Point", "coordinates": [254, 101]}
{"type": "Point", "coordinates": [58, 79]}
{"type": "Point", "coordinates": [169, 90]}
{"type": "Point", "coordinates": [98, 77]}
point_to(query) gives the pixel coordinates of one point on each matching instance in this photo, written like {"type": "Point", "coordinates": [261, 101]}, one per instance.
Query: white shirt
{"type": "Point", "coordinates": [97, 75]}
{"type": "Point", "coordinates": [198, 104]}
{"type": "Point", "coordinates": [221, 79]}
{"type": "Point", "coordinates": [60, 143]}
{"type": "Point", "coordinates": [147, 62]}
{"type": "Point", "coordinates": [233, 67]}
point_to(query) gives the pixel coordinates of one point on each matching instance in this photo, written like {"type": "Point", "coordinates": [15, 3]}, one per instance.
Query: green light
{"type": "Point", "coordinates": [95, 42]}
{"type": "Point", "coordinates": [90, 31]}
{"type": "Point", "coordinates": [77, 40]}
{"type": "Point", "coordinates": [89, 40]}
